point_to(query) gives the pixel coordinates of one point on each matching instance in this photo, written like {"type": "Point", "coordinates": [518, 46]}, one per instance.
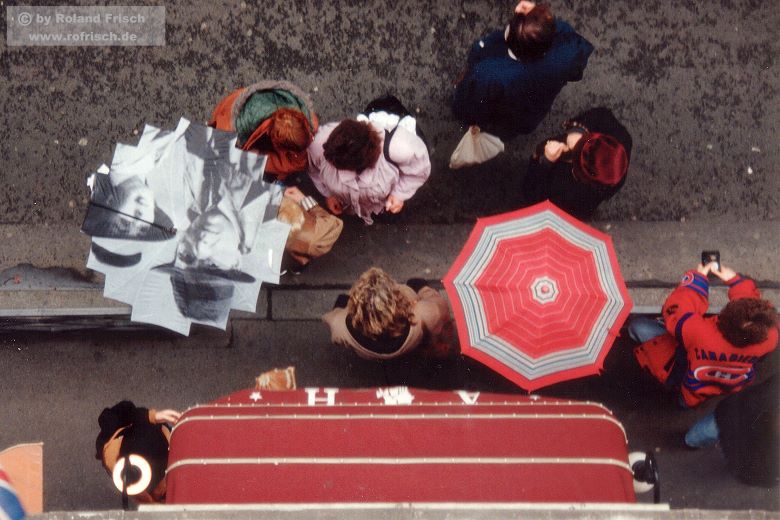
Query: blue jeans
{"type": "Point", "coordinates": [704, 433]}
{"type": "Point", "coordinates": [645, 329]}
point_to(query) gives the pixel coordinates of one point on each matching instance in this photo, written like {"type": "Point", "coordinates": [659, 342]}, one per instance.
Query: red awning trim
{"type": "Point", "coordinates": [397, 461]}
{"type": "Point", "coordinates": [397, 416]}
{"type": "Point", "coordinates": [461, 404]}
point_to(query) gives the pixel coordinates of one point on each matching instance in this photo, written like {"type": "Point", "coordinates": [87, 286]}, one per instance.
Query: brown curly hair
{"type": "Point", "coordinates": [353, 145]}
{"type": "Point", "coordinates": [377, 305]}
{"type": "Point", "coordinates": [747, 321]}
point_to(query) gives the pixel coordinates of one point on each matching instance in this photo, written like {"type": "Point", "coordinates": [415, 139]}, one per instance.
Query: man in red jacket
{"type": "Point", "coordinates": [707, 356]}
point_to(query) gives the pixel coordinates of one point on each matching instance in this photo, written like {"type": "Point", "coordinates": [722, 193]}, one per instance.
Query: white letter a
{"type": "Point", "coordinates": [468, 397]}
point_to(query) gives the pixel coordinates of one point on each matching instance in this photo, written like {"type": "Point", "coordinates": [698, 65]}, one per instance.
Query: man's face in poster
{"type": "Point", "coordinates": [211, 240]}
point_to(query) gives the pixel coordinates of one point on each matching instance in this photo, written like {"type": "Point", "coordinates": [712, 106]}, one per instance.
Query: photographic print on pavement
{"type": "Point", "coordinates": [183, 226]}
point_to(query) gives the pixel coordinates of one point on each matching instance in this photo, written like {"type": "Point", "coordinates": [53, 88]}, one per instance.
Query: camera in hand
{"type": "Point", "coordinates": [707, 257]}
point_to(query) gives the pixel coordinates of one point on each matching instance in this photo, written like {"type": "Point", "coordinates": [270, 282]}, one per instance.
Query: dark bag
{"type": "Point", "coordinates": [392, 105]}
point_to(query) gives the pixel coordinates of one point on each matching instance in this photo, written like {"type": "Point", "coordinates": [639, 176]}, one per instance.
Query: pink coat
{"type": "Point", "coordinates": [366, 194]}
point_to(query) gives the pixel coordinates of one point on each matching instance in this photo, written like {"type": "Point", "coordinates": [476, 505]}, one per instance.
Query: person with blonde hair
{"type": "Point", "coordinates": [381, 319]}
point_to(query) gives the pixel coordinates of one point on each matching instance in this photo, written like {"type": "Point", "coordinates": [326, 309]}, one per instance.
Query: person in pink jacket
{"type": "Point", "coordinates": [364, 168]}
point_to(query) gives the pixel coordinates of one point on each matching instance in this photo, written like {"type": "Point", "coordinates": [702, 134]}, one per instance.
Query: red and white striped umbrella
{"type": "Point", "coordinates": [537, 296]}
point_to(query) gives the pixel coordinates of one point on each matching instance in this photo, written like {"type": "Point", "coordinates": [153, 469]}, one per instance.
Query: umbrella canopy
{"type": "Point", "coordinates": [537, 296]}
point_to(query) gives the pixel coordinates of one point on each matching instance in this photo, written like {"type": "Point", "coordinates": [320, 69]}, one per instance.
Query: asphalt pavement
{"type": "Point", "coordinates": [696, 83]}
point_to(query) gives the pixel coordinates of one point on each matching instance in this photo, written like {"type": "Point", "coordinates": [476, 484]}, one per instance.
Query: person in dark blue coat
{"type": "Point", "coordinates": [514, 74]}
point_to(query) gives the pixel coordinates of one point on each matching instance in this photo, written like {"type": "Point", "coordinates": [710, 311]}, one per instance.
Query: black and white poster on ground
{"type": "Point", "coordinates": [184, 228]}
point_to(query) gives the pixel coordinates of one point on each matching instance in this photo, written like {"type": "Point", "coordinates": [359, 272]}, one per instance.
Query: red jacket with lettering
{"type": "Point", "coordinates": [694, 355]}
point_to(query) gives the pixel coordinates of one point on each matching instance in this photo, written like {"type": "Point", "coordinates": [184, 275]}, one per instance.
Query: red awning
{"type": "Point", "coordinates": [396, 445]}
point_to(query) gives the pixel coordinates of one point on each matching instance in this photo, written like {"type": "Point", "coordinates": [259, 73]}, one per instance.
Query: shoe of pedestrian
{"type": "Point", "coordinates": [416, 284]}
{"type": "Point", "coordinates": [298, 269]}
{"type": "Point", "coordinates": [703, 433]}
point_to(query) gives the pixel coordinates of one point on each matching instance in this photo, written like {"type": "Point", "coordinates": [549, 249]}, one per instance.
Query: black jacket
{"type": "Point", "coordinates": [121, 415]}
{"type": "Point", "coordinates": [748, 422]}
{"type": "Point", "coordinates": [555, 181]}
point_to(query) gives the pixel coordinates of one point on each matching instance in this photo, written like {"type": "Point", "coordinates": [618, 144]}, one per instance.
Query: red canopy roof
{"type": "Point", "coordinates": [393, 445]}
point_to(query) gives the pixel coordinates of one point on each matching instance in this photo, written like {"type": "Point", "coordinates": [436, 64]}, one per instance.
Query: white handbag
{"type": "Point", "coordinates": [476, 147]}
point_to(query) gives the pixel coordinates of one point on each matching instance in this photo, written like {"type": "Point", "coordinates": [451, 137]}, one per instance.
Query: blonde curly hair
{"type": "Point", "coordinates": [377, 305]}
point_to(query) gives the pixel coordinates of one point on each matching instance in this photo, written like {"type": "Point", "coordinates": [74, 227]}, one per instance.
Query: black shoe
{"type": "Point", "coordinates": [417, 283]}
{"type": "Point", "coordinates": [298, 269]}
{"type": "Point", "coordinates": [341, 301]}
